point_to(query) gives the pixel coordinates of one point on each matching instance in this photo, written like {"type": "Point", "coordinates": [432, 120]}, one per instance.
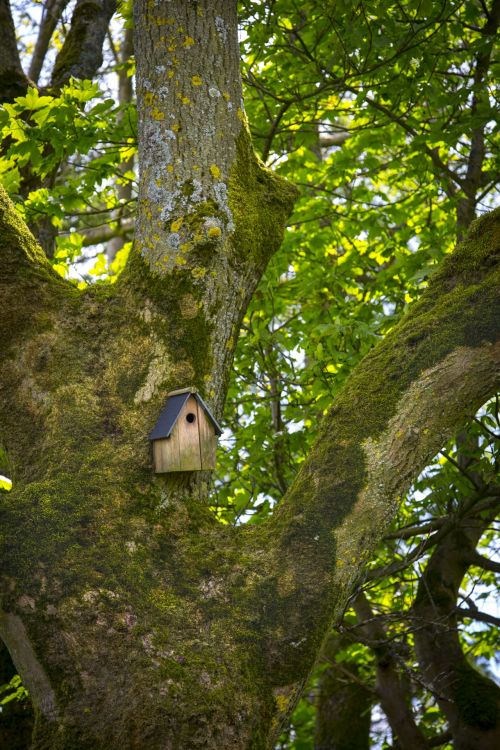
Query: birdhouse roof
{"type": "Point", "coordinates": [168, 417]}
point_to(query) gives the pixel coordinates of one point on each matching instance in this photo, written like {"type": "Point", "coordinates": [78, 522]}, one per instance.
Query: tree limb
{"type": "Point", "coordinates": [393, 415]}
{"type": "Point", "coordinates": [484, 563]}
{"type": "Point", "coordinates": [81, 54]}
{"type": "Point", "coordinates": [51, 14]}
{"type": "Point", "coordinates": [473, 614]}
{"type": "Point", "coordinates": [469, 700]}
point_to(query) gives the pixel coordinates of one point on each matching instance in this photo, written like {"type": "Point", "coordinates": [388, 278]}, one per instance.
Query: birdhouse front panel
{"type": "Point", "coordinates": [180, 451]}
{"type": "Point", "coordinates": [185, 436]}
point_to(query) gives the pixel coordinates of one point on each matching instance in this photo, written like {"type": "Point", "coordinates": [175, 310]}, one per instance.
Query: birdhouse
{"type": "Point", "coordinates": [185, 435]}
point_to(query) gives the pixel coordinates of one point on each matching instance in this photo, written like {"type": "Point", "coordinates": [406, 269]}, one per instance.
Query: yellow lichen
{"type": "Point", "coordinates": [215, 171]}
{"type": "Point", "coordinates": [196, 80]}
{"type": "Point", "coordinates": [188, 41]}
{"type": "Point", "coordinates": [214, 232]}
{"type": "Point", "coordinates": [198, 272]}
{"type": "Point", "coordinates": [176, 225]}
{"type": "Point", "coordinates": [157, 114]}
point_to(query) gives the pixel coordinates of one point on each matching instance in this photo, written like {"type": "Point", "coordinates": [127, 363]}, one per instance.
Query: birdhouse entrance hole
{"type": "Point", "coordinates": [190, 417]}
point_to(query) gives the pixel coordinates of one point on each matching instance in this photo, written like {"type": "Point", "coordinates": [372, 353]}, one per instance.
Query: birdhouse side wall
{"type": "Point", "coordinates": [208, 440]}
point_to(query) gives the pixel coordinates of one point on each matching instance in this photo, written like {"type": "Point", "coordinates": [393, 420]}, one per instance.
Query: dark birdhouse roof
{"type": "Point", "coordinates": [168, 417]}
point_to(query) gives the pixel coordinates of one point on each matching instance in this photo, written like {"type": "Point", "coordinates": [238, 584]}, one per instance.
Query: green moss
{"type": "Point", "coordinates": [260, 202]}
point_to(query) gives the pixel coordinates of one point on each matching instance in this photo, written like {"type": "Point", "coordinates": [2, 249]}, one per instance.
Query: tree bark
{"type": "Point", "coordinates": [51, 14]}
{"type": "Point", "coordinates": [13, 82]}
{"type": "Point", "coordinates": [123, 189]}
{"type": "Point", "coordinates": [81, 54]}
{"type": "Point", "coordinates": [114, 576]}
{"type": "Point", "coordinates": [469, 700]}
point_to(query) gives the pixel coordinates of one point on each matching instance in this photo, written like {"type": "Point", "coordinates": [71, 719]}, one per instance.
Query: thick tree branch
{"type": "Point", "coordinates": [23, 262]}
{"type": "Point", "coordinates": [392, 417]}
{"type": "Point", "coordinates": [210, 215]}
{"type": "Point", "coordinates": [81, 54]}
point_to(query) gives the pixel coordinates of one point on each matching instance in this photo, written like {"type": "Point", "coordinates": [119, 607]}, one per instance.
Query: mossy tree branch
{"type": "Point", "coordinates": [81, 54]}
{"type": "Point", "coordinates": [28, 283]}
{"type": "Point", "coordinates": [440, 363]}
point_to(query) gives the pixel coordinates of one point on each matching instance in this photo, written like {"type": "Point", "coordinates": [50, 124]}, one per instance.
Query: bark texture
{"type": "Point", "coordinates": [13, 82]}
{"type": "Point", "coordinates": [81, 54]}
{"type": "Point", "coordinates": [469, 699]}
{"type": "Point", "coordinates": [112, 576]}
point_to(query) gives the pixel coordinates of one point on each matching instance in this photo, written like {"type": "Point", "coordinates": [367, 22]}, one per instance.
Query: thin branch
{"type": "Point", "coordinates": [50, 17]}
{"type": "Point", "coordinates": [473, 614]}
{"type": "Point", "coordinates": [484, 563]}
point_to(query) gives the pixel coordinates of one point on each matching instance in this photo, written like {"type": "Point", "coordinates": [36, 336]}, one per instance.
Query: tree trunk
{"type": "Point", "coordinates": [135, 619]}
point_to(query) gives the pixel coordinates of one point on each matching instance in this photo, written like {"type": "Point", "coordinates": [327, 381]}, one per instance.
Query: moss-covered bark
{"type": "Point", "coordinates": [145, 623]}
{"type": "Point", "coordinates": [123, 578]}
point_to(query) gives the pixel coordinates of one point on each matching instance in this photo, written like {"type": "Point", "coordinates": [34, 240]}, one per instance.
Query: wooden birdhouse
{"type": "Point", "coordinates": [185, 435]}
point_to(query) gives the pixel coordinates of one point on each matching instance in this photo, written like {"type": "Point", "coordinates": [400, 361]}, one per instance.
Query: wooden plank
{"type": "Point", "coordinates": [166, 455]}
{"type": "Point", "coordinates": [186, 431]}
{"type": "Point", "coordinates": [208, 440]}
